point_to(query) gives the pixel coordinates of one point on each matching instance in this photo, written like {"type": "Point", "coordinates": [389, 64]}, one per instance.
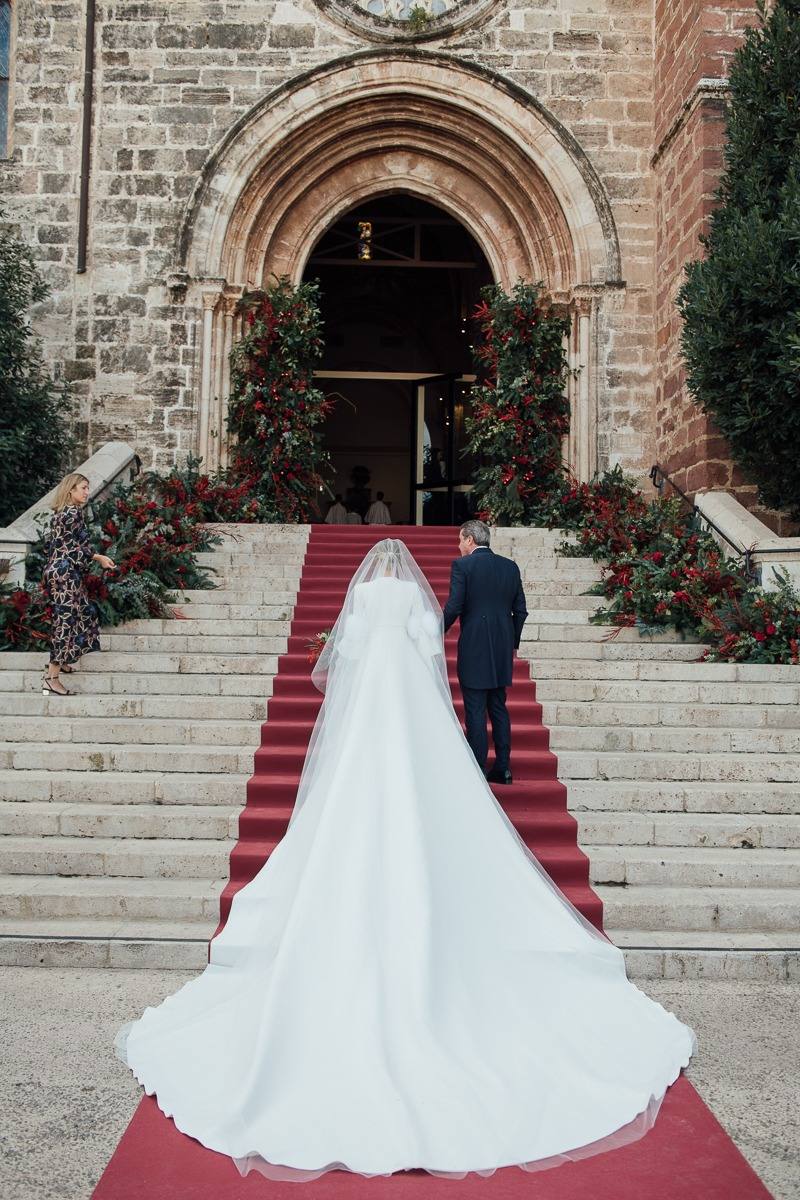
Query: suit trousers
{"type": "Point", "coordinates": [476, 703]}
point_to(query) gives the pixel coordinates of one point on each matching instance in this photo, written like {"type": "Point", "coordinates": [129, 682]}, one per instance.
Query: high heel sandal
{"type": "Point", "coordinates": [47, 688]}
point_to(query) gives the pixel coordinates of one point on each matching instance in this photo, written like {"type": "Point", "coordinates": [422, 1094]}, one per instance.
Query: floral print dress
{"type": "Point", "coordinates": [75, 627]}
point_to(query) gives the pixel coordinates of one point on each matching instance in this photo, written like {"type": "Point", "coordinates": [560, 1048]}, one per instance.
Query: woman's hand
{"type": "Point", "coordinates": [106, 563]}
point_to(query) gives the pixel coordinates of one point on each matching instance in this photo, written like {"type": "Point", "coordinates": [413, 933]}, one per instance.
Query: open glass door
{"type": "Point", "coordinates": [442, 469]}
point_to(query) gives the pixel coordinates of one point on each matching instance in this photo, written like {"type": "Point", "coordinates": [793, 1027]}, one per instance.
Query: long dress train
{"type": "Point", "coordinates": [400, 986]}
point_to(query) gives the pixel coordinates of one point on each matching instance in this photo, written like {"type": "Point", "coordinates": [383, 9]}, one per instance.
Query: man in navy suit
{"type": "Point", "coordinates": [486, 593]}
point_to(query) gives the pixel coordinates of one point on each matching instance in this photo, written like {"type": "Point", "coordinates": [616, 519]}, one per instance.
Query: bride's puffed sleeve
{"type": "Point", "coordinates": [355, 628]}
{"type": "Point", "coordinates": [424, 628]}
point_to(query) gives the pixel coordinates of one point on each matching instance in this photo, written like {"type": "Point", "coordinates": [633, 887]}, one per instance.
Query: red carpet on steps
{"type": "Point", "coordinates": [687, 1156]}
{"type": "Point", "coordinates": [536, 801]}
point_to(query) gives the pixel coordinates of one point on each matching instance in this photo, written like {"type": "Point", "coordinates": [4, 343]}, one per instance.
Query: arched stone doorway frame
{"type": "Point", "coordinates": [382, 122]}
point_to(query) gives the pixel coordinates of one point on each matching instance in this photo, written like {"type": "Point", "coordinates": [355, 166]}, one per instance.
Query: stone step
{"type": "Point", "coordinates": [675, 739]}
{"type": "Point", "coordinates": [688, 954]}
{"type": "Point", "coordinates": [105, 704]}
{"type": "Point", "coordinates": [575, 633]}
{"type": "Point", "coordinates": [280, 592]}
{"type": "Point", "coordinates": [542, 605]}
{"type": "Point", "coordinates": [674, 663]}
{"type": "Point", "coordinates": [719, 909]}
{"type": "Point", "coordinates": [626, 798]}
{"type": "Point", "coordinates": [172, 945]}
{"type": "Point", "coordinates": [609, 715]}
{"type": "Point", "coordinates": [681, 694]}
{"type": "Point", "coordinates": [708, 939]}
{"type": "Point", "coordinates": [273, 642]}
{"type": "Point", "coordinates": [134, 683]}
{"type": "Point", "coordinates": [272, 597]}
{"type": "Point", "coordinates": [278, 624]}
{"type": "Point", "coordinates": [282, 573]}
{"type": "Point", "coordinates": [99, 857]}
{"type": "Point", "coordinates": [271, 638]}
{"type": "Point", "coordinates": [700, 867]}
{"type": "Point", "coordinates": [146, 943]}
{"type": "Point", "coordinates": [629, 646]}
{"type": "Point", "coordinates": [436, 558]}
{"type": "Point", "coordinates": [35, 896]}
{"type": "Point", "coordinates": [275, 623]}
{"type": "Point", "coordinates": [241, 574]}
{"type": "Point", "coordinates": [691, 830]}
{"type": "Point", "coordinates": [239, 556]}
{"type": "Point", "coordinates": [167, 664]}
{"type": "Point", "coordinates": [55, 819]}
{"type": "Point", "coordinates": [641, 766]}
{"type": "Point", "coordinates": [94, 756]}
{"type": "Point", "coordinates": [125, 787]}
{"type": "Point", "coordinates": [56, 729]}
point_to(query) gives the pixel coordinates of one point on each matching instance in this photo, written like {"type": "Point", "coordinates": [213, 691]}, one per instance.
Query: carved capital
{"type": "Point", "coordinates": [177, 284]}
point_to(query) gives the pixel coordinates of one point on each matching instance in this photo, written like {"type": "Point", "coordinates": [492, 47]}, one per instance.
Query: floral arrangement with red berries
{"type": "Point", "coordinates": [275, 411]}
{"type": "Point", "coordinates": [153, 529]}
{"type": "Point", "coordinates": [662, 569]}
{"type": "Point", "coordinates": [520, 410]}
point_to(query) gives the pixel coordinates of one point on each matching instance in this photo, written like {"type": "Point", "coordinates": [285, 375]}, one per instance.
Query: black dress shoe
{"type": "Point", "coordinates": [498, 776]}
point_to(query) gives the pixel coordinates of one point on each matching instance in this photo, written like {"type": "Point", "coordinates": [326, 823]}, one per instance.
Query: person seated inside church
{"type": "Point", "coordinates": [337, 513]}
{"type": "Point", "coordinates": [378, 512]}
{"type": "Point", "coordinates": [354, 517]}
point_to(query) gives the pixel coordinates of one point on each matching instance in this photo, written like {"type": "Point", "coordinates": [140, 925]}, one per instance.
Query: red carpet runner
{"type": "Point", "coordinates": [686, 1155]}
{"type": "Point", "coordinates": [536, 802]}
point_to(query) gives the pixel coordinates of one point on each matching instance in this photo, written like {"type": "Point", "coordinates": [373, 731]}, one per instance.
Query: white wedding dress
{"type": "Point", "coordinates": [401, 986]}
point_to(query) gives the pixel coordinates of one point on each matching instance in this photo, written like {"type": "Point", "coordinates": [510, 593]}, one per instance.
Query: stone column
{"type": "Point", "coordinates": [585, 450]}
{"type": "Point", "coordinates": [581, 452]}
{"type": "Point", "coordinates": [210, 301]}
{"type": "Point", "coordinates": [228, 321]}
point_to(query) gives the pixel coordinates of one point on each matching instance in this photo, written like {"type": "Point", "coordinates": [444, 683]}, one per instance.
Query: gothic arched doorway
{"type": "Point", "coordinates": [429, 126]}
{"type": "Point", "coordinates": [399, 280]}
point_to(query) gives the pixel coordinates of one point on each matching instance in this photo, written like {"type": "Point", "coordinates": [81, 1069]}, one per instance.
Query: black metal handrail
{"type": "Point", "coordinates": [659, 477]}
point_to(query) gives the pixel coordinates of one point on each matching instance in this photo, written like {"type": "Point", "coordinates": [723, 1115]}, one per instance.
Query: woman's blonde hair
{"type": "Point", "coordinates": [61, 499]}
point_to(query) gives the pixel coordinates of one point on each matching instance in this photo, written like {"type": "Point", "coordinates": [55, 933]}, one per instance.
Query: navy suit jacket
{"type": "Point", "coordinates": [486, 593]}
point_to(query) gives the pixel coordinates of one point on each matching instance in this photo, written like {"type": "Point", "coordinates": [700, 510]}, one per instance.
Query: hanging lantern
{"type": "Point", "coordinates": [364, 241]}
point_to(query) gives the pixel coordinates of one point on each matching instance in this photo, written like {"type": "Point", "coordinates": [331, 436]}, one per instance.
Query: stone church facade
{"type": "Point", "coordinates": [578, 141]}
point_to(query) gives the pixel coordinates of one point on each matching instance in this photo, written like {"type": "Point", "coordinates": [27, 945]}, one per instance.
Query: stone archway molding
{"type": "Point", "coordinates": [375, 123]}
{"type": "Point", "coordinates": [387, 120]}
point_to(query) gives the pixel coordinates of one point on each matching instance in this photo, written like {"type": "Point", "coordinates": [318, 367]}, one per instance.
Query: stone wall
{"type": "Point", "coordinates": [166, 92]}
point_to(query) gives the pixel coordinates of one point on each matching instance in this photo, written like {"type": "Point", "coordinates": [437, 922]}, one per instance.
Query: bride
{"type": "Point", "coordinates": [402, 986]}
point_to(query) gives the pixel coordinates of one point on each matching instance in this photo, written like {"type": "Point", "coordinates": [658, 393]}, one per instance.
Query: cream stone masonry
{"type": "Point", "coordinates": [532, 126]}
{"type": "Point", "coordinates": [119, 804]}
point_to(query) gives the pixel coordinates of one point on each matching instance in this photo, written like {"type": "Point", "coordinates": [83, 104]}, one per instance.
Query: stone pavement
{"type": "Point", "coordinates": [67, 1099]}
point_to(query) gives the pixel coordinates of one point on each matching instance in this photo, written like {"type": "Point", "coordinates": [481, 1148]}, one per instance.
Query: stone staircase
{"type": "Point", "coordinates": [119, 805]}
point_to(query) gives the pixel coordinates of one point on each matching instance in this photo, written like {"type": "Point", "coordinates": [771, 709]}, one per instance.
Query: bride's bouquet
{"type": "Point", "coordinates": [317, 645]}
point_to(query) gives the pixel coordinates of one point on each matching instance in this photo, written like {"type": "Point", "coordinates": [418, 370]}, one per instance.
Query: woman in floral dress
{"type": "Point", "coordinates": [75, 627]}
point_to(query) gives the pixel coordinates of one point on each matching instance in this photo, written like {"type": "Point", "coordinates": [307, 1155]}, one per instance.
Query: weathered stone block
{"type": "Point", "coordinates": [123, 359]}
{"type": "Point", "coordinates": [235, 36]}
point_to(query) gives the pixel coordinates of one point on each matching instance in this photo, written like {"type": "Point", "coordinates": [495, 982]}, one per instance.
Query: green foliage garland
{"type": "Point", "coordinates": [741, 303]}
{"type": "Point", "coordinates": [520, 412]}
{"type": "Point", "coordinates": [275, 411]}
